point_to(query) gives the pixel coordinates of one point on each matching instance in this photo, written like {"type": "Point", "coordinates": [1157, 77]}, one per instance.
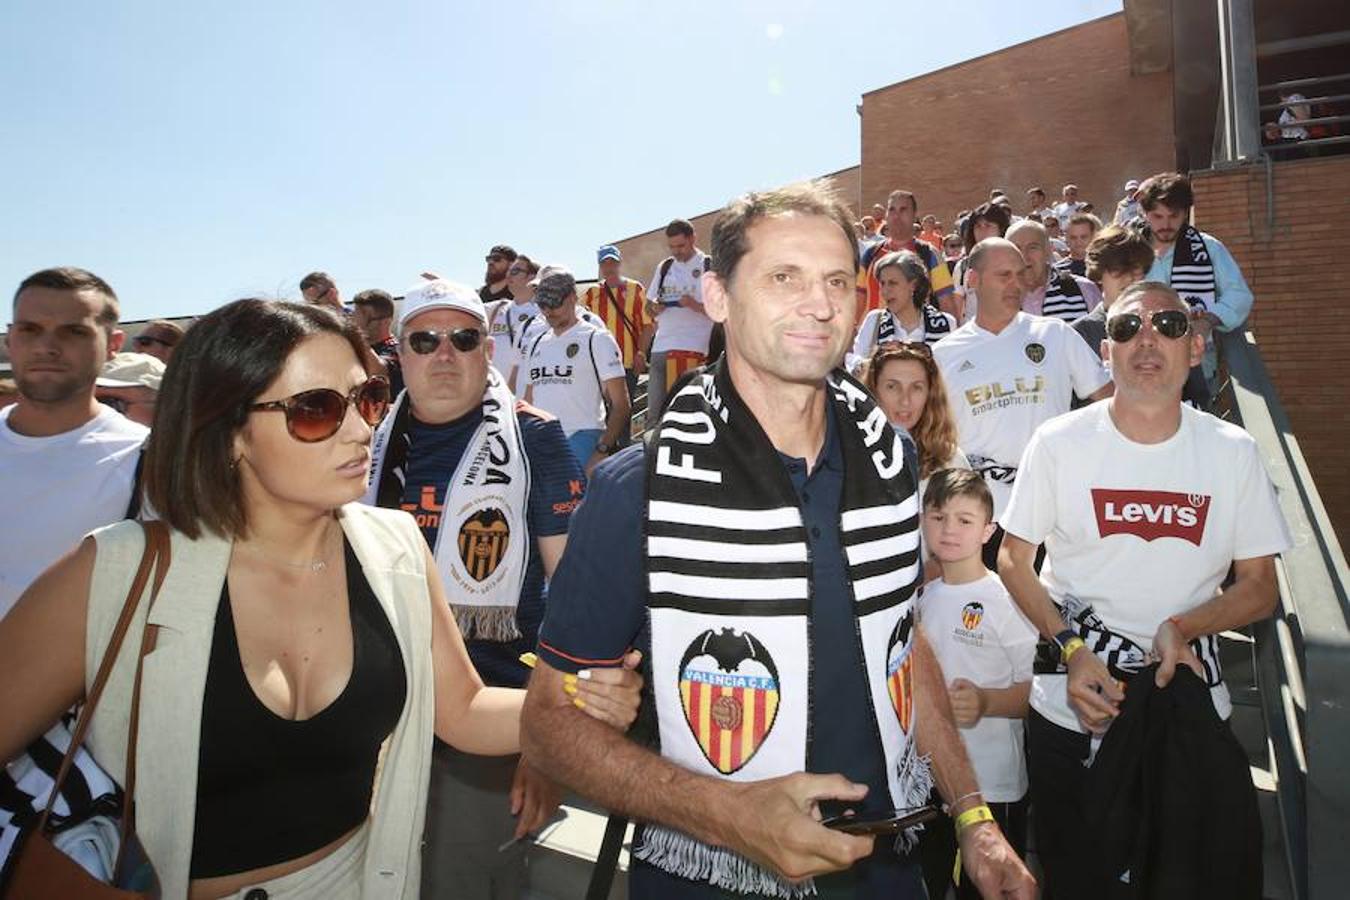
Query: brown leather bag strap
{"type": "Point", "coordinates": [148, 558]}
{"type": "Point", "coordinates": [156, 533]}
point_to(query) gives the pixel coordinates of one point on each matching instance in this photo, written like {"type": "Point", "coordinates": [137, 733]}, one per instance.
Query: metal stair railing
{"type": "Point", "coordinates": [1302, 653]}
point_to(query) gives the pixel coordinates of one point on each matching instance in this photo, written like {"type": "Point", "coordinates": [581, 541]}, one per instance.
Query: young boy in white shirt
{"type": "Point", "coordinates": [985, 646]}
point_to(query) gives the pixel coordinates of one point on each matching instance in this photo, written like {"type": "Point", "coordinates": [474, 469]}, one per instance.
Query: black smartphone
{"type": "Point", "coordinates": [888, 821]}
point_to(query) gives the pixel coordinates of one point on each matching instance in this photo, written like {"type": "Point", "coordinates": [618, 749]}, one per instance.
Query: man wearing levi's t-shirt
{"type": "Point", "coordinates": [573, 370]}
{"type": "Point", "coordinates": [1143, 504]}
{"type": "Point", "coordinates": [1006, 372]}
{"type": "Point", "coordinates": [675, 296]}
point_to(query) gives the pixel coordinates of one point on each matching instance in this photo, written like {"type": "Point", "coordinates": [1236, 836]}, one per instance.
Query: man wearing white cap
{"type": "Point", "coordinates": [1128, 208]}
{"type": "Point", "coordinates": [130, 385]}
{"type": "Point", "coordinates": [457, 430]}
{"type": "Point", "coordinates": [574, 370]}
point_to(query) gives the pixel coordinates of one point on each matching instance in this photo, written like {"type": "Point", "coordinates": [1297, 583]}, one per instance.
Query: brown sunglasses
{"type": "Point", "coordinates": [316, 415]}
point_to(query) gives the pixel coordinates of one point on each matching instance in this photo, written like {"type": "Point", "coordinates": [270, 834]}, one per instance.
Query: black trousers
{"type": "Point", "coordinates": [1055, 758]}
{"type": "Point", "coordinates": [937, 848]}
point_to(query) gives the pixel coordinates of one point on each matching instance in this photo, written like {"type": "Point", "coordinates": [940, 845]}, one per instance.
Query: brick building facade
{"type": "Point", "coordinates": [1289, 256]}
{"type": "Point", "coordinates": [1061, 108]}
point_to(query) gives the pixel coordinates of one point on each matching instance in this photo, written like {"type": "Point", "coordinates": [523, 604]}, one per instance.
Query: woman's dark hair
{"type": "Point", "coordinates": [222, 365]}
{"type": "Point", "coordinates": [912, 269]}
{"type": "Point", "coordinates": [997, 213]}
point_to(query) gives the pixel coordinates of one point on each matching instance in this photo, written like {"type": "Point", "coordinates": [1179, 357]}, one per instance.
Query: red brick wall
{"type": "Point", "coordinates": [1060, 108]}
{"type": "Point", "coordinates": [1300, 318]}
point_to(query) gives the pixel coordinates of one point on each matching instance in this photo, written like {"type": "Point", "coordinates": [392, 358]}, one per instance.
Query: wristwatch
{"type": "Point", "coordinates": [1068, 643]}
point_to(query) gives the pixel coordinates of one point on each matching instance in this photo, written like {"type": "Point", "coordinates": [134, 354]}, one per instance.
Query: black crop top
{"type": "Point", "coordinates": [271, 789]}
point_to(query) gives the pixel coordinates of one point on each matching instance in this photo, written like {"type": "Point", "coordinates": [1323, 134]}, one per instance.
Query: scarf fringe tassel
{"type": "Point", "coordinates": [685, 857]}
{"type": "Point", "coordinates": [487, 623]}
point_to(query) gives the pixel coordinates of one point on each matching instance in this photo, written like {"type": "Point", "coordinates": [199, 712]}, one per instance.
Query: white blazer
{"type": "Point", "coordinates": [392, 555]}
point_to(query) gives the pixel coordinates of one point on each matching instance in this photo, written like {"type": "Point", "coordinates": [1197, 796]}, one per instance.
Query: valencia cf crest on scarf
{"type": "Point", "coordinates": [729, 691]}
{"type": "Point", "coordinates": [483, 539]}
{"type": "Point", "coordinates": [900, 672]}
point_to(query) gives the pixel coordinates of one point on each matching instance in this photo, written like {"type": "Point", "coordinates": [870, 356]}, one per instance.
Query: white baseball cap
{"type": "Point", "coordinates": [441, 294]}
{"type": "Point", "coordinates": [131, 370]}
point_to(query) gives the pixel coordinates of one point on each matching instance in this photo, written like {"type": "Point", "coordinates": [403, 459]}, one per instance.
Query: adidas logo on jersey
{"type": "Point", "coordinates": [1151, 514]}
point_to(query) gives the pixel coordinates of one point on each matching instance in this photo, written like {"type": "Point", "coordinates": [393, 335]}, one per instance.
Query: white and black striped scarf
{"type": "Point", "coordinates": [936, 326]}
{"type": "Point", "coordinates": [1064, 298]}
{"type": "Point", "coordinates": [729, 597]}
{"type": "Point", "coordinates": [1193, 270]}
{"type": "Point", "coordinates": [88, 792]}
{"type": "Point", "coordinates": [1122, 656]}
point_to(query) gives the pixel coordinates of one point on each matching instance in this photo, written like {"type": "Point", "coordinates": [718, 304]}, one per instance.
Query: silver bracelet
{"type": "Point", "coordinates": [947, 808]}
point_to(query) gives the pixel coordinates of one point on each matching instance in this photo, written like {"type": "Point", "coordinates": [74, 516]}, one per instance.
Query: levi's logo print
{"type": "Point", "coordinates": [1151, 514]}
{"type": "Point", "coordinates": [729, 692]}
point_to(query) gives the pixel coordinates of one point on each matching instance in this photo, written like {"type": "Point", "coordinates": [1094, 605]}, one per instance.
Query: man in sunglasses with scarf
{"type": "Point", "coordinates": [492, 485]}
{"type": "Point", "coordinates": [1143, 504]}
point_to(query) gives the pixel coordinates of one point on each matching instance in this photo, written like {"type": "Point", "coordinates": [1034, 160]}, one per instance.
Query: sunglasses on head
{"type": "Point", "coordinates": [427, 342]}
{"type": "Point", "coordinates": [918, 348]}
{"type": "Point", "coordinates": [317, 415]}
{"type": "Point", "coordinates": [1170, 323]}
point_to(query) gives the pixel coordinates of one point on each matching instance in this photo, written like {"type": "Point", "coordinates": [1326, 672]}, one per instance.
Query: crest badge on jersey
{"type": "Point", "coordinates": [900, 672]}
{"type": "Point", "coordinates": [971, 615]}
{"type": "Point", "coordinates": [1036, 352]}
{"type": "Point", "coordinates": [572, 350]}
{"type": "Point", "coordinates": [483, 539]}
{"type": "Point", "coordinates": [729, 693]}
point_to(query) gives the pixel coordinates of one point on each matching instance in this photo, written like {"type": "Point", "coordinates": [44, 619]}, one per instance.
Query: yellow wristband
{"type": "Point", "coordinates": [973, 816]}
{"type": "Point", "coordinates": [1071, 646]}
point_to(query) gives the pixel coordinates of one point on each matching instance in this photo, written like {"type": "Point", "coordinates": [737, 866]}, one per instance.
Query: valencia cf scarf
{"type": "Point", "coordinates": [1064, 298]}
{"type": "Point", "coordinates": [1193, 270]}
{"type": "Point", "coordinates": [483, 541]}
{"type": "Point", "coordinates": [936, 326]}
{"type": "Point", "coordinates": [730, 590]}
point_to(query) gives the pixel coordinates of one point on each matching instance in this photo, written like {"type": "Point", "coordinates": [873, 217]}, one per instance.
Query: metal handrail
{"type": "Point", "coordinates": [1303, 82]}
{"type": "Point", "coordinates": [1302, 654]}
{"type": "Point", "coordinates": [1306, 101]}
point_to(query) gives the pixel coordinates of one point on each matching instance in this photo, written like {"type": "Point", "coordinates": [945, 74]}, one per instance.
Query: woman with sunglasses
{"type": "Point", "coordinates": [909, 389]}
{"type": "Point", "coordinates": [907, 315]}
{"type": "Point", "coordinates": [301, 638]}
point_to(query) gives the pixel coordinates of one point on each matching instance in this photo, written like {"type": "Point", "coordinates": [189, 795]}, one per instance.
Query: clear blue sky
{"type": "Point", "coordinates": [195, 152]}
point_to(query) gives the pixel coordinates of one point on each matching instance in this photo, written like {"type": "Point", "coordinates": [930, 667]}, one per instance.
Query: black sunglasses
{"type": "Point", "coordinates": [424, 343]}
{"type": "Point", "coordinates": [1170, 323]}
{"type": "Point", "coordinates": [142, 340]}
{"type": "Point", "coordinates": [316, 415]}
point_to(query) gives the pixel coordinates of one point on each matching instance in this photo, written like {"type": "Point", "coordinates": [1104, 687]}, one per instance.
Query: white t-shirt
{"type": "Point", "coordinates": [1140, 532]}
{"type": "Point", "coordinates": [978, 633]}
{"type": "Point", "coordinates": [678, 328]}
{"type": "Point", "coordinates": [505, 326]}
{"type": "Point", "coordinates": [1001, 387]}
{"type": "Point", "coordinates": [566, 373]}
{"type": "Point", "coordinates": [866, 341]}
{"type": "Point", "coordinates": [57, 489]}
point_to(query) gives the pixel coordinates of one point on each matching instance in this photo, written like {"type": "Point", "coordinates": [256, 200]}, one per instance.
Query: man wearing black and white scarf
{"type": "Point", "coordinates": [1197, 265]}
{"type": "Point", "coordinates": [763, 545]}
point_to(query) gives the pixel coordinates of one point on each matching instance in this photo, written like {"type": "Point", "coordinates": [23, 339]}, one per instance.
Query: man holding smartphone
{"type": "Point", "coordinates": [682, 327]}
{"type": "Point", "coordinates": [762, 546]}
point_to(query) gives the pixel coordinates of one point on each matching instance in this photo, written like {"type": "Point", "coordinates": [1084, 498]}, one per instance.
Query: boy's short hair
{"type": "Point", "coordinates": [948, 484]}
